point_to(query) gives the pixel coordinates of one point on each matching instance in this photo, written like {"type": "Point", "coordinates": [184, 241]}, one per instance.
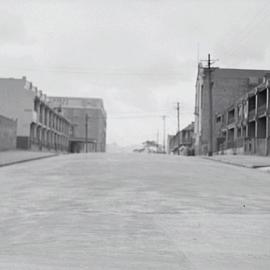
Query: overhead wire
{"type": "Point", "coordinates": [116, 72]}
{"type": "Point", "coordinates": [248, 31]}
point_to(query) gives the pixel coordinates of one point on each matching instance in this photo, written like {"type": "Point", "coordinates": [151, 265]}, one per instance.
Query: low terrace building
{"type": "Point", "coordinates": [182, 142]}
{"type": "Point", "coordinates": [244, 126]}
{"type": "Point", "coordinates": [39, 126]}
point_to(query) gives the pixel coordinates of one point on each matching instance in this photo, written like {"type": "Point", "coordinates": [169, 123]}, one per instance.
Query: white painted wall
{"type": "Point", "coordinates": [17, 102]}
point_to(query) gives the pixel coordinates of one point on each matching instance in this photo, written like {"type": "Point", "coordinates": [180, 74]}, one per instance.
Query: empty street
{"type": "Point", "coordinates": [133, 211]}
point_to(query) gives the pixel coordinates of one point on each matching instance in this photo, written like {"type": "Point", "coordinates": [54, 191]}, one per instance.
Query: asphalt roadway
{"type": "Point", "coordinates": [133, 211]}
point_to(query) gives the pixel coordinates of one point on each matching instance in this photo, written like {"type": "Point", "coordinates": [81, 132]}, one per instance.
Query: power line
{"type": "Point", "coordinates": [126, 117]}
{"type": "Point", "coordinates": [248, 30]}
{"type": "Point", "coordinates": [118, 72]}
{"type": "Point", "coordinates": [135, 116]}
{"type": "Point", "coordinates": [142, 116]}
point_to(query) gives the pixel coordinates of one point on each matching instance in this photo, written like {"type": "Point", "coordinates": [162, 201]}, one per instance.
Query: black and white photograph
{"type": "Point", "coordinates": [134, 135]}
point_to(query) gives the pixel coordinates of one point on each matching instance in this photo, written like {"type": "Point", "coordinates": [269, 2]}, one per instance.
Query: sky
{"type": "Point", "coordinates": [139, 56]}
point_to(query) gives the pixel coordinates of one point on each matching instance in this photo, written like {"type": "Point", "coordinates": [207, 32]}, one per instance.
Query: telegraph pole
{"type": "Point", "coordinates": [86, 133]}
{"type": "Point", "coordinates": [157, 140]}
{"type": "Point", "coordinates": [210, 84]}
{"type": "Point", "coordinates": [210, 101]}
{"type": "Point", "coordinates": [178, 128]}
{"type": "Point", "coordinates": [164, 132]}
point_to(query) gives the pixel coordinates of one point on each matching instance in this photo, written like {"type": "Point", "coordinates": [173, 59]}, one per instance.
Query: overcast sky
{"type": "Point", "coordinates": [140, 56]}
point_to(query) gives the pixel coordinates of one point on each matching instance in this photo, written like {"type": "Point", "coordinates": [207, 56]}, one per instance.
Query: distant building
{"type": "Point", "coordinates": [8, 129]}
{"type": "Point", "coordinates": [38, 125]}
{"type": "Point", "coordinates": [228, 86]}
{"type": "Point", "coordinates": [244, 127]}
{"type": "Point", "coordinates": [182, 142]}
{"type": "Point", "coordinates": [150, 147]}
{"type": "Point", "coordinates": [88, 121]}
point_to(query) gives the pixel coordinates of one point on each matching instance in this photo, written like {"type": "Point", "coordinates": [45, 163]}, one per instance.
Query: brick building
{"type": "Point", "coordinates": [38, 125]}
{"type": "Point", "coordinates": [88, 122]}
{"type": "Point", "coordinates": [228, 86]}
{"type": "Point", "coordinates": [244, 127]}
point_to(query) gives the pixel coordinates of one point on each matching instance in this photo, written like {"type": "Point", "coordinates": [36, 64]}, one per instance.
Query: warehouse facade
{"type": "Point", "coordinates": [88, 122]}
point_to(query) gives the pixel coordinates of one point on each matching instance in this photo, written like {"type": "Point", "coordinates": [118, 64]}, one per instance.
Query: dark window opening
{"type": "Point", "coordinates": [262, 96]}
{"type": "Point", "coordinates": [231, 116]}
{"type": "Point", "coordinates": [251, 103]}
{"type": "Point", "coordinates": [262, 128]}
{"type": "Point", "coordinates": [251, 129]}
{"type": "Point", "coordinates": [218, 119]}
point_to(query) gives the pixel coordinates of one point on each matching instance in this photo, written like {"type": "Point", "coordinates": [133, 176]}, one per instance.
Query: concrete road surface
{"type": "Point", "coordinates": [106, 211]}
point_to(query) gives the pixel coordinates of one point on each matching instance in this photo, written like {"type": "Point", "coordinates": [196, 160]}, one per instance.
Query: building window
{"type": "Point", "coordinates": [251, 130]}
{"type": "Point", "coordinates": [231, 116]}
{"type": "Point", "coordinates": [251, 103]}
{"type": "Point", "coordinates": [262, 128]}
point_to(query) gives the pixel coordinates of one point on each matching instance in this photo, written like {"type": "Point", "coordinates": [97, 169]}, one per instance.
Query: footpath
{"type": "Point", "coordinates": [19, 156]}
{"type": "Point", "coordinates": [254, 162]}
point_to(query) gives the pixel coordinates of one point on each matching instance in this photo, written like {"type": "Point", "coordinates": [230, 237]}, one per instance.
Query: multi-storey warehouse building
{"type": "Point", "coordinates": [38, 125]}
{"type": "Point", "coordinates": [244, 127]}
{"type": "Point", "coordinates": [228, 85]}
{"type": "Point", "coordinates": [88, 121]}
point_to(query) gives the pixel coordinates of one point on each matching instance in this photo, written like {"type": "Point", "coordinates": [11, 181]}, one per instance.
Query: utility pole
{"type": "Point", "coordinates": [178, 128]}
{"type": "Point", "coordinates": [157, 140]}
{"type": "Point", "coordinates": [164, 132]}
{"type": "Point", "coordinates": [86, 133]}
{"type": "Point", "coordinates": [210, 84]}
{"type": "Point", "coordinates": [210, 100]}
